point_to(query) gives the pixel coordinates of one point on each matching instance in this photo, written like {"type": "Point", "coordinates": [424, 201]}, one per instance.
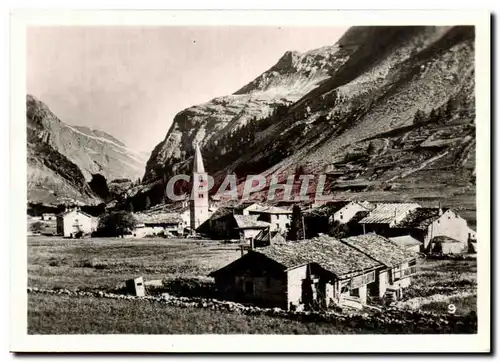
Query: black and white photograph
{"type": "Point", "coordinates": [252, 174]}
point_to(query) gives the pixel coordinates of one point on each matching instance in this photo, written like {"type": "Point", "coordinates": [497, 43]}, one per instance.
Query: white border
{"type": "Point", "coordinates": [20, 341]}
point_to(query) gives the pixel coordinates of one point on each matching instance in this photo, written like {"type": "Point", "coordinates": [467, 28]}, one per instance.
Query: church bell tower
{"type": "Point", "coordinates": [198, 204]}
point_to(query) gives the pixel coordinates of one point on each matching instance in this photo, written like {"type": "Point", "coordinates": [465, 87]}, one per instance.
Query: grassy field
{"type": "Point", "coordinates": [441, 283]}
{"type": "Point", "coordinates": [49, 314]}
{"type": "Point", "coordinates": [106, 263]}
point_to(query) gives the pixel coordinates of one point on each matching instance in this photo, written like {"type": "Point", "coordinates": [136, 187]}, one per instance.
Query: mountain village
{"type": "Point", "coordinates": [344, 253]}
{"type": "Point", "coordinates": [382, 240]}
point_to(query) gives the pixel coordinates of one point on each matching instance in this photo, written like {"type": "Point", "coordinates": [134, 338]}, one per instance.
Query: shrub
{"type": "Point", "coordinates": [37, 226]}
{"type": "Point", "coordinates": [116, 223]}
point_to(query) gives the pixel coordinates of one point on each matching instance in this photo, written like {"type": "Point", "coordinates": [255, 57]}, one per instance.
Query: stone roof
{"type": "Point", "coordinates": [250, 222]}
{"type": "Point", "coordinates": [273, 210]}
{"type": "Point", "coordinates": [420, 218]}
{"type": "Point", "coordinates": [380, 248]}
{"type": "Point", "coordinates": [387, 212]}
{"type": "Point", "coordinates": [159, 218]}
{"type": "Point", "coordinates": [329, 253]}
{"type": "Point", "coordinates": [64, 213]}
{"type": "Point", "coordinates": [406, 241]}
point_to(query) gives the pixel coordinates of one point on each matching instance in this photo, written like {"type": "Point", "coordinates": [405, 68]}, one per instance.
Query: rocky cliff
{"type": "Point", "coordinates": [385, 109]}
{"type": "Point", "coordinates": [63, 158]}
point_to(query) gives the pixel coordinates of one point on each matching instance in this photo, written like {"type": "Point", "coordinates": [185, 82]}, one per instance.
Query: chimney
{"type": "Point", "coordinates": [242, 247]}
{"type": "Point", "coordinates": [440, 209]}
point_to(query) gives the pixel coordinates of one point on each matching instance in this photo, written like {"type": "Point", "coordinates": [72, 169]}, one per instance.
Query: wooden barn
{"type": "Point", "coordinates": [308, 274]}
{"type": "Point", "coordinates": [399, 264]}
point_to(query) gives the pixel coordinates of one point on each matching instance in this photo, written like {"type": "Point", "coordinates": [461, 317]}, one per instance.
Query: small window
{"type": "Point", "coordinates": [341, 217]}
{"type": "Point", "coordinates": [438, 221]}
{"type": "Point", "coordinates": [200, 196]}
{"type": "Point", "coordinates": [200, 178]}
{"type": "Point", "coordinates": [412, 262]}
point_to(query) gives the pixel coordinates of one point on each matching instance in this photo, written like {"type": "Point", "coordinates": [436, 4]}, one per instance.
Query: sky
{"type": "Point", "coordinates": [132, 81]}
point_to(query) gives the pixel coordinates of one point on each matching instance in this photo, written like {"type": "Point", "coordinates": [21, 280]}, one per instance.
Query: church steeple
{"type": "Point", "coordinates": [198, 160]}
{"type": "Point", "coordinates": [199, 194]}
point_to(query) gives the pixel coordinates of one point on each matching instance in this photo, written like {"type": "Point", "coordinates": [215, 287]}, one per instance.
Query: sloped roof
{"type": "Point", "coordinates": [444, 239]}
{"type": "Point", "coordinates": [245, 204]}
{"type": "Point", "coordinates": [273, 210]}
{"type": "Point", "coordinates": [265, 234]}
{"type": "Point", "coordinates": [159, 218]}
{"type": "Point", "coordinates": [250, 222]}
{"type": "Point", "coordinates": [221, 212]}
{"type": "Point", "coordinates": [198, 161]}
{"type": "Point", "coordinates": [64, 213]}
{"type": "Point", "coordinates": [406, 241]}
{"type": "Point", "coordinates": [420, 218]}
{"type": "Point", "coordinates": [379, 248]}
{"type": "Point", "coordinates": [329, 253]}
{"type": "Point", "coordinates": [387, 212]}
{"type": "Point", "coordinates": [358, 216]}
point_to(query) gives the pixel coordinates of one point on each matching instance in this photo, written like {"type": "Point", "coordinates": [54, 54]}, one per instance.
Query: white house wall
{"type": "Point", "coordinates": [451, 225]}
{"type": "Point", "coordinates": [75, 221]}
{"type": "Point", "coordinates": [345, 214]}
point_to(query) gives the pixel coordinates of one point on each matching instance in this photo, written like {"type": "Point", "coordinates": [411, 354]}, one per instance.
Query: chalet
{"type": "Point", "coordinates": [399, 264]}
{"type": "Point", "coordinates": [220, 225]}
{"type": "Point", "coordinates": [75, 223]}
{"type": "Point", "coordinates": [278, 217]}
{"type": "Point", "coordinates": [49, 217]}
{"type": "Point", "coordinates": [320, 220]}
{"type": "Point", "coordinates": [319, 272]}
{"type": "Point", "coordinates": [158, 224]}
{"type": "Point", "coordinates": [385, 216]}
{"type": "Point", "coordinates": [408, 242]}
{"type": "Point", "coordinates": [249, 227]}
{"type": "Point", "coordinates": [427, 223]}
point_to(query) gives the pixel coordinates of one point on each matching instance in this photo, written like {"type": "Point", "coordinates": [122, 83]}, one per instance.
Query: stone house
{"type": "Point", "coordinates": [278, 217]}
{"type": "Point", "coordinates": [49, 217]}
{"type": "Point", "coordinates": [158, 224]}
{"type": "Point", "coordinates": [385, 216]}
{"type": "Point", "coordinates": [399, 264]}
{"type": "Point", "coordinates": [320, 272]}
{"type": "Point", "coordinates": [75, 223]}
{"type": "Point", "coordinates": [345, 214]}
{"type": "Point", "coordinates": [220, 225]}
{"type": "Point", "coordinates": [425, 224]}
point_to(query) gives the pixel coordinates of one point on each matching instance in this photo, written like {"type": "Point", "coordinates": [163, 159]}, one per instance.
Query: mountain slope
{"type": "Point", "coordinates": [92, 151]}
{"type": "Point", "coordinates": [384, 109]}
{"type": "Point", "coordinates": [62, 158]}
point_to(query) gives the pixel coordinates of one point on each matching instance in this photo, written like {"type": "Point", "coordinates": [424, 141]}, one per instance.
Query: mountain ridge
{"type": "Point", "coordinates": [80, 151]}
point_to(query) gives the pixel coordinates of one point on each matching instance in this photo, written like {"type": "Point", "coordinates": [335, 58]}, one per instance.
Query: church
{"type": "Point", "coordinates": [198, 203]}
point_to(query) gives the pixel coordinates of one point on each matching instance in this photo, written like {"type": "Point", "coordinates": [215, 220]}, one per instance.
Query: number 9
{"type": "Point", "coordinates": [452, 309]}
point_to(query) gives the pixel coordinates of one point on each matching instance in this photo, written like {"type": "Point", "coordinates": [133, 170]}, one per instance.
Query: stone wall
{"type": "Point", "coordinates": [390, 320]}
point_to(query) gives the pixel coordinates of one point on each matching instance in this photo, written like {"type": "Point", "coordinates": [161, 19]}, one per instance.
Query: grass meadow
{"type": "Point", "coordinates": [105, 263]}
